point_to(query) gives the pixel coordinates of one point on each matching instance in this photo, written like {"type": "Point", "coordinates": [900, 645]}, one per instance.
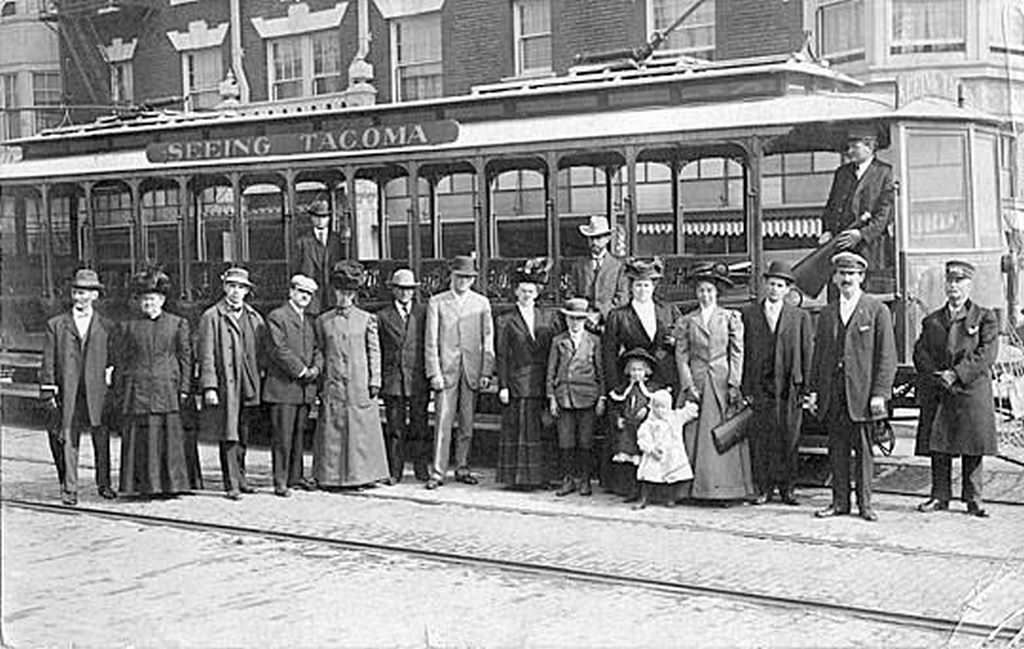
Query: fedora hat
{"type": "Point", "coordinates": [645, 268]}
{"type": "Point", "coordinates": [597, 226]}
{"type": "Point", "coordinates": [87, 279]}
{"type": "Point", "coordinates": [347, 275]}
{"type": "Point", "coordinates": [712, 271]}
{"type": "Point", "coordinates": [151, 281]}
{"type": "Point", "coordinates": [237, 275]}
{"type": "Point", "coordinates": [464, 265]}
{"type": "Point", "coordinates": [535, 271]}
{"type": "Point", "coordinates": [403, 278]}
{"type": "Point", "coordinates": [781, 270]}
{"type": "Point", "coordinates": [319, 206]}
{"type": "Point", "coordinates": [576, 307]}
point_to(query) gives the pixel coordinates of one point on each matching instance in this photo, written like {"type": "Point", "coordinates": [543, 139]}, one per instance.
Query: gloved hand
{"type": "Point", "coordinates": [600, 407]}
{"type": "Point", "coordinates": [210, 398]}
{"type": "Point", "coordinates": [436, 383]}
{"type": "Point", "coordinates": [735, 397]}
{"type": "Point", "coordinates": [553, 406]}
{"type": "Point", "coordinates": [503, 396]}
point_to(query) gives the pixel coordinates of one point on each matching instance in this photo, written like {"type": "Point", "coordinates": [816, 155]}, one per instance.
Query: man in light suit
{"type": "Point", "coordinates": [601, 278]}
{"type": "Point", "coordinates": [851, 381]}
{"type": "Point", "coordinates": [459, 355]}
{"type": "Point", "coordinates": [75, 376]}
{"type": "Point", "coordinates": [317, 252]}
{"type": "Point", "coordinates": [859, 209]}
{"type": "Point", "coordinates": [776, 364]}
{"type": "Point", "coordinates": [404, 386]}
{"type": "Point", "coordinates": [293, 364]}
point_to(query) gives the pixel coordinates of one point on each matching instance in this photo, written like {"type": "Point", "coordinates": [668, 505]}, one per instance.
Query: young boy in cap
{"type": "Point", "coordinates": [294, 364]}
{"type": "Point", "coordinates": [953, 357]}
{"type": "Point", "coordinates": [230, 333]}
{"type": "Point", "coordinates": [576, 396]}
{"type": "Point", "coordinates": [852, 372]}
{"type": "Point", "coordinates": [75, 375]}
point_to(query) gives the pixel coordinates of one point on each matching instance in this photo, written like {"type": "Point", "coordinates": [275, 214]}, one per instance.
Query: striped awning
{"type": "Point", "coordinates": [786, 227]}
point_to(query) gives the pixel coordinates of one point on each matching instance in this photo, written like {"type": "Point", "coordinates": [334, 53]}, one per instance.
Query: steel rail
{"type": "Point", "coordinates": [928, 623]}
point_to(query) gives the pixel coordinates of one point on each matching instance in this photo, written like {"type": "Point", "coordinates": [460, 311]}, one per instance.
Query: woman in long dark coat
{"type": "Point", "coordinates": [152, 364]}
{"type": "Point", "coordinates": [521, 354]}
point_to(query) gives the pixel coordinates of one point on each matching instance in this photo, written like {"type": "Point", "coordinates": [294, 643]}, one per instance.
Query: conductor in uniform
{"type": "Point", "coordinates": [852, 372]}
{"type": "Point", "coordinates": [954, 357]}
{"type": "Point", "coordinates": [316, 253]}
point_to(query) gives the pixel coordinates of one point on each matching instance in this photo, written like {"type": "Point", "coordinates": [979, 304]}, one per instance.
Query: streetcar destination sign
{"type": "Point", "coordinates": [360, 138]}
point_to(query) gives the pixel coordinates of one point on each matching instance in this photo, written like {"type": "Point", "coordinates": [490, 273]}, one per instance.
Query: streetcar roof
{"type": "Point", "coordinates": [526, 136]}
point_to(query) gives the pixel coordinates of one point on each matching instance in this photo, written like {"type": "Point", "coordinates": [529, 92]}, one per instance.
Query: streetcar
{"type": "Point", "coordinates": [695, 161]}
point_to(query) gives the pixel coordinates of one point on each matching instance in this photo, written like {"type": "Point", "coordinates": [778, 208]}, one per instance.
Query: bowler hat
{"type": "Point", "coordinates": [715, 272]}
{"type": "Point", "coordinates": [464, 265]}
{"type": "Point", "coordinates": [86, 278]}
{"type": "Point", "coordinates": [956, 269]}
{"type": "Point", "coordinates": [781, 270]}
{"type": "Point", "coordinates": [847, 260]}
{"type": "Point", "coordinates": [534, 270]}
{"type": "Point", "coordinates": [303, 283]}
{"type": "Point", "coordinates": [404, 278]}
{"type": "Point", "coordinates": [347, 275]}
{"type": "Point", "coordinates": [639, 354]}
{"type": "Point", "coordinates": [597, 226]}
{"type": "Point", "coordinates": [576, 307]}
{"type": "Point", "coordinates": [236, 275]}
{"type": "Point", "coordinates": [151, 281]}
{"type": "Point", "coordinates": [644, 267]}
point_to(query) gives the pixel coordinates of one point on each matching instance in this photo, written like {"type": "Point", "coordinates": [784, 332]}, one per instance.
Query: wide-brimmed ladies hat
{"type": "Point", "coordinates": [237, 275]}
{"type": "Point", "coordinates": [464, 265]}
{"type": "Point", "coordinates": [715, 272]}
{"type": "Point", "coordinates": [597, 226]}
{"type": "Point", "coordinates": [151, 281]}
{"type": "Point", "coordinates": [86, 278]}
{"type": "Point", "coordinates": [780, 270]}
{"type": "Point", "coordinates": [347, 275]}
{"type": "Point", "coordinates": [576, 307]}
{"type": "Point", "coordinates": [535, 271]}
{"type": "Point", "coordinates": [638, 354]}
{"type": "Point", "coordinates": [403, 278]}
{"type": "Point", "coordinates": [644, 268]}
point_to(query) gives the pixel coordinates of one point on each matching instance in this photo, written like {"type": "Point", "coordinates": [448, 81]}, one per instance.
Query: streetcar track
{"type": "Point", "coordinates": [264, 481]}
{"type": "Point", "coordinates": [934, 624]}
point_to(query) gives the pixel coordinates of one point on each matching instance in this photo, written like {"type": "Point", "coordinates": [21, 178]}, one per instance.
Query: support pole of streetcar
{"type": "Point", "coordinates": [629, 206]}
{"type": "Point", "coordinates": [753, 213]}
{"type": "Point", "coordinates": [415, 245]}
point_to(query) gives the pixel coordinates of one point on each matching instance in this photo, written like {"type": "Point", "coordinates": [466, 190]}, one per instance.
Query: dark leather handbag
{"type": "Point", "coordinates": [733, 430]}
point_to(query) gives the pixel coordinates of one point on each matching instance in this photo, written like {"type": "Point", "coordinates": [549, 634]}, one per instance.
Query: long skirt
{"type": "Point", "coordinates": [522, 459]}
{"type": "Point", "coordinates": [725, 476]}
{"type": "Point", "coordinates": [153, 456]}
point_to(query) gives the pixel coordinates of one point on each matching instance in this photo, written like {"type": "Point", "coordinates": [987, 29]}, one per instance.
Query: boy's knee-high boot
{"type": "Point", "coordinates": [565, 456]}
{"type": "Point", "coordinates": [585, 458]}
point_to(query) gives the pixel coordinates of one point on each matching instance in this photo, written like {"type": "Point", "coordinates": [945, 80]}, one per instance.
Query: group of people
{"type": "Point", "coordinates": [614, 386]}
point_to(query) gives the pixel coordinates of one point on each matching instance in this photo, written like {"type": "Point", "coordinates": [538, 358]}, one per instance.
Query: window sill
{"type": "Point", "coordinates": [529, 75]}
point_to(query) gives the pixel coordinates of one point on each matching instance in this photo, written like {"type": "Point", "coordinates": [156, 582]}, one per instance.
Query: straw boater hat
{"type": "Point", "coordinates": [403, 278]}
{"type": "Point", "coordinates": [319, 206]}
{"type": "Point", "coordinates": [781, 270]}
{"type": "Point", "coordinates": [644, 268]}
{"type": "Point", "coordinates": [464, 265]}
{"type": "Point", "coordinates": [714, 272]}
{"type": "Point", "coordinates": [534, 271]}
{"type": "Point", "coordinates": [86, 278]}
{"type": "Point", "coordinates": [597, 227]}
{"type": "Point", "coordinates": [151, 281]}
{"type": "Point", "coordinates": [237, 276]}
{"type": "Point", "coordinates": [347, 275]}
{"type": "Point", "coordinates": [959, 270]}
{"type": "Point", "coordinates": [304, 283]}
{"type": "Point", "coordinates": [576, 307]}
{"type": "Point", "coordinates": [847, 260]}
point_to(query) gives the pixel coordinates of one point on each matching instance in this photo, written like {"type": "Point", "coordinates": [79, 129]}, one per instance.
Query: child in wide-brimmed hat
{"type": "Point", "coordinates": [575, 388]}
{"type": "Point", "coordinates": [627, 408]}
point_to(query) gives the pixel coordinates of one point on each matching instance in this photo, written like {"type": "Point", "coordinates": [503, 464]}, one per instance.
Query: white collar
{"type": "Point", "coordinates": [81, 314]}
{"type": "Point", "coordinates": [851, 300]}
{"type": "Point", "coordinates": [297, 309]}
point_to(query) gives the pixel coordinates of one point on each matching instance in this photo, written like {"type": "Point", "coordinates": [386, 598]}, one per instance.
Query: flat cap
{"type": "Point", "coordinates": [304, 283]}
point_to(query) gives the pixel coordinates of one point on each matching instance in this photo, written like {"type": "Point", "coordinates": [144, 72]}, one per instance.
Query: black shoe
{"type": "Point", "coordinates": [933, 505]}
{"type": "Point", "coordinates": [760, 499]}
{"type": "Point", "coordinates": [283, 493]}
{"type": "Point", "coordinates": [234, 494]}
{"type": "Point", "coordinates": [69, 498]}
{"type": "Point", "coordinates": [788, 498]}
{"type": "Point", "coordinates": [568, 486]}
{"type": "Point", "coordinates": [421, 472]}
{"type": "Point", "coordinates": [304, 484]}
{"type": "Point", "coordinates": [869, 515]}
{"type": "Point", "coordinates": [585, 488]}
{"type": "Point", "coordinates": [246, 489]}
{"type": "Point", "coordinates": [466, 478]}
{"type": "Point", "coordinates": [830, 511]}
{"type": "Point", "coordinates": [974, 509]}
{"type": "Point", "coordinates": [389, 481]}
{"type": "Point", "coordinates": [641, 503]}
{"type": "Point", "coordinates": [107, 493]}
{"type": "Point", "coordinates": [433, 484]}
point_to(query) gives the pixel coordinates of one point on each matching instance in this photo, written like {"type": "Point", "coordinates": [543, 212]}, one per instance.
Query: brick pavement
{"type": "Point", "coordinates": [943, 565]}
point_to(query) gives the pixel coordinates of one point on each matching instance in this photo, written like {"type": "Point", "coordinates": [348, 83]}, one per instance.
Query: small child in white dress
{"type": "Point", "coordinates": [660, 438]}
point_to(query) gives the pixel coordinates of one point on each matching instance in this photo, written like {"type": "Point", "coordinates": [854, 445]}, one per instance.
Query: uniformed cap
{"type": "Point", "coordinates": [862, 133]}
{"type": "Point", "coordinates": [959, 270]}
{"type": "Point", "coordinates": [303, 283]}
{"type": "Point", "coordinates": [847, 260]}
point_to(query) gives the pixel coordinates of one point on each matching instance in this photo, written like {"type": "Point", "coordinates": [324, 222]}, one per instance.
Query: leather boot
{"type": "Point", "coordinates": [396, 462]}
{"type": "Point", "coordinates": [585, 461]}
{"type": "Point", "coordinates": [565, 468]}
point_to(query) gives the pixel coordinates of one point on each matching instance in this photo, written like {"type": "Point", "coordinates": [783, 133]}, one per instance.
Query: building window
{"type": "Point", "coordinates": [696, 36]}
{"type": "Point", "coordinates": [121, 82]}
{"type": "Point", "coordinates": [11, 117]}
{"type": "Point", "coordinates": [202, 75]}
{"type": "Point", "coordinates": [305, 65]}
{"type": "Point", "coordinates": [416, 57]}
{"type": "Point", "coordinates": [927, 26]}
{"type": "Point", "coordinates": [531, 26]}
{"type": "Point", "coordinates": [936, 180]}
{"type": "Point", "coordinates": [841, 30]}
{"type": "Point", "coordinates": [46, 91]}
{"type": "Point", "coordinates": [1006, 27]}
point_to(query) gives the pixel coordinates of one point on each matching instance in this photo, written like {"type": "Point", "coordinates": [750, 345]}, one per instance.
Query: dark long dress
{"type": "Point", "coordinates": [526, 449]}
{"type": "Point", "coordinates": [152, 365]}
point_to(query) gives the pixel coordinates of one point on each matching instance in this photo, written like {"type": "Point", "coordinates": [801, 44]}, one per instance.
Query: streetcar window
{"type": "Point", "coordinates": [520, 214]}
{"type": "Point", "coordinates": [1007, 183]}
{"type": "Point", "coordinates": [397, 204]}
{"type": "Point", "coordinates": [988, 215]}
{"type": "Point", "coordinates": [456, 201]}
{"type": "Point", "coordinates": [937, 191]}
{"type": "Point", "coordinates": [61, 209]}
{"type": "Point", "coordinates": [112, 231]}
{"type": "Point", "coordinates": [215, 210]}
{"type": "Point", "coordinates": [263, 206]}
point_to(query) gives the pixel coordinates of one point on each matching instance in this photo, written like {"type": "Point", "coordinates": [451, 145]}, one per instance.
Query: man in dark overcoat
{"type": "Point", "coordinates": [75, 375]}
{"type": "Point", "coordinates": [293, 364]}
{"type": "Point", "coordinates": [776, 364]}
{"type": "Point", "coordinates": [601, 277]}
{"type": "Point", "coordinates": [317, 252]}
{"type": "Point", "coordinates": [852, 372]}
{"type": "Point", "coordinates": [230, 333]}
{"type": "Point", "coordinates": [859, 209]}
{"type": "Point", "coordinates": [404, 385]}
{"type": "Point", "coordinates": [953, 357]}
